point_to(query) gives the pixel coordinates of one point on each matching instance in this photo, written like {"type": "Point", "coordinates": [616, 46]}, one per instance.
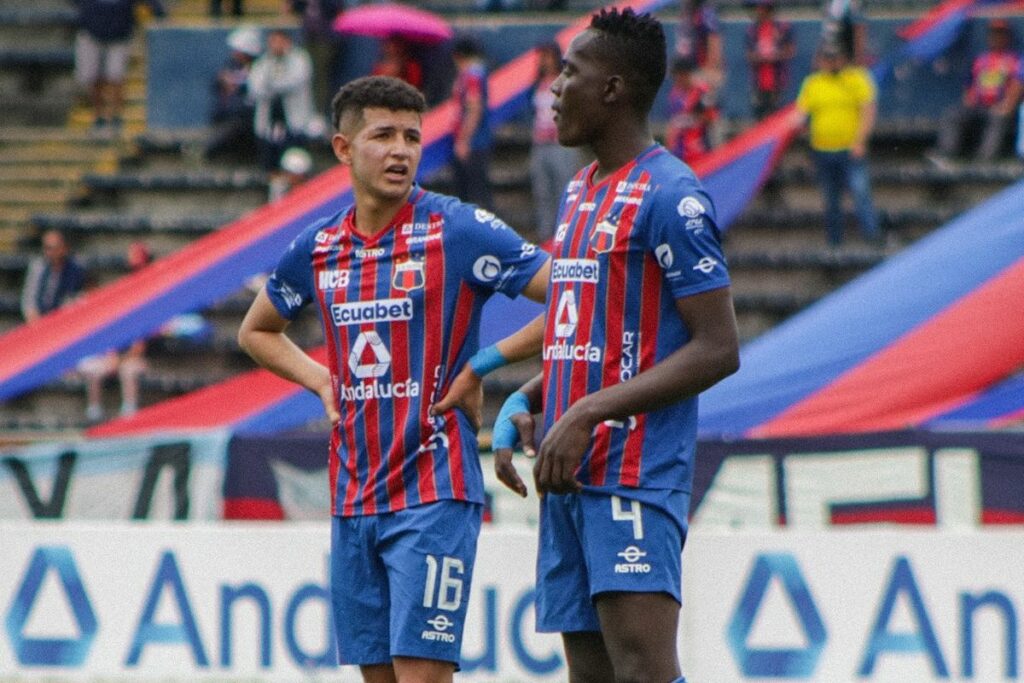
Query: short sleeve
{"type": "Point", "coordinates": [495, 257]}
{"type": "Point", "coordinates": [684, 239]}
{"type": "Point", "coordinates": [290, 286]}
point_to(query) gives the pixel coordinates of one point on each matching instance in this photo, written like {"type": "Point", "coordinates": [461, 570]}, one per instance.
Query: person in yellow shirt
{"type": "Point", "coordinates": [838, 103]}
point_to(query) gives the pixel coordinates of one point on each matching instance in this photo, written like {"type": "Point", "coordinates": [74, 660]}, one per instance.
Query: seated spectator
{"type": "Point", "coordinates": [396, 60]}
{"type": "Point", "coordinates": [233, 110]}
{"type": "Point", "coordinates": [52, 279]}
{"type": "Point", "coordinates": [770, 47]}
{"type": "Point", "coordinates": [280, 83]}
{"type": "Point", "coordinates": [551, 165]}
{"type": "Point", "coordinates": [128, 364]}
{"type": "Point", "coordinates": [296, 165]}
{"type": "Point", "coordinates": [690, 112]}
{"type": "Point", "coordinates": [102, 49]}
{"type": "Point", "coordinates": [988, 103]}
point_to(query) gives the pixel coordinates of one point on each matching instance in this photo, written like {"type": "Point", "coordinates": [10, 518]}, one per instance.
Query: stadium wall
{"type": "Point", "coordinates": [180, 97]}
{"type": "Point", "coordinates": [246, 601]}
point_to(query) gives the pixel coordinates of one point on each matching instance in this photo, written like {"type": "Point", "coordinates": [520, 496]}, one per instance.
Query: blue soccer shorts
{"type": "Point", "coordinates": [595, 542]}
{"type": "Point", "coordinates": [400, 582]}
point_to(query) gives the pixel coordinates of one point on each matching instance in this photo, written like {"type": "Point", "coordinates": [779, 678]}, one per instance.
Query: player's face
{"type": "Point", "coordinates": [579, 93]}
{"type": "Point", "coordinates": [383, 153]}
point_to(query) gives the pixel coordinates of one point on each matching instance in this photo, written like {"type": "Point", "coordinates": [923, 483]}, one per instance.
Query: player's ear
{"type": "Point", "coordinates": [614, 89]}
{"type": "Point", "coordinates": [342, 148]}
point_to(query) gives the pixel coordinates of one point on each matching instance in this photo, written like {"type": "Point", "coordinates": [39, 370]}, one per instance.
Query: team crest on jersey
{"type": "Point", "coordinates": [603, 238]}
{"type": "Point", "coordinates": [408, 275]}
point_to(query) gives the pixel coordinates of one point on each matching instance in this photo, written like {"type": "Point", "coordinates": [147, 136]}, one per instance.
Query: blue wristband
{"type": "Point", "coordinates": [487, 360]}
{"type": "Point", "coordinates": [505, 434]}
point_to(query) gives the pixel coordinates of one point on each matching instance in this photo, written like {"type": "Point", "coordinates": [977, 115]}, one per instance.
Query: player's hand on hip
{"type": "Point", "coordinates": [514, 424]}
{"type": "Point", "coordinates": [326, 393]}
{"type": "Point", "coordinates": [466, 392]}
{"type": "Point", "coordinates": [561, 453]}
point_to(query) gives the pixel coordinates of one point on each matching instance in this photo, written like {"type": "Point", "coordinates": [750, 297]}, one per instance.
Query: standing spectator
{"type": "Point", "coordinates": [770, 47]}
{"type": "Point", "coordinates": [844, 23]}
{"type": "Point", "coordinates": [551, 165]}
{"type": "Point", "coordinates": [397, 61]}
{"type": "Point", "coordinates": [128, 364]}
{"type": "Point", "coordinates": [690, 112]}
{"type": "Point", "coordinates": [236, 8]}
{"type": "Point", "coordinates": [471, 163]}
{"type": "Point", "coordinates": [52, 279]}
{"type": "Point", "coordinates": [280, 83]}
{"type": "Point", "coordinates": [324, 44]}
{"type": "Point", "coordinates": [989, 102]}
{"type": "Point", "coordinates": [233, 111]}
{"type": "Point", "coordinates": [699, 39]}
{"type": "Point", "coordinates": [839, 101]}
{"type": "Point", "coordinates": [102, 49]}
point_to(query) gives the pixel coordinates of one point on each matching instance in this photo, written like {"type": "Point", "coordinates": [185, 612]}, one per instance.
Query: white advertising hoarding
{"type": "Point", "coordinates": [169, 602]}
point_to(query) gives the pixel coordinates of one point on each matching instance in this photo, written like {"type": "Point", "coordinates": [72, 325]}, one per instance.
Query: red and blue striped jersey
{"type": "Point", "coordinates": [400, 313]}
{"type": "Point", "coordinates": [625, 250]}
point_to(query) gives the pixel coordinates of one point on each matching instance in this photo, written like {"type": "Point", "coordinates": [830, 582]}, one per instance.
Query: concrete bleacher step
{"type": "Point", "coordinates": [254, 10]}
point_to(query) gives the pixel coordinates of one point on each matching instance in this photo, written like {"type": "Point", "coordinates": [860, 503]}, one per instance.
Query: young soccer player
{"type": "Point", "coordinates": [639, 321]}
{"type": "Point", "coordinates": [398, 280]}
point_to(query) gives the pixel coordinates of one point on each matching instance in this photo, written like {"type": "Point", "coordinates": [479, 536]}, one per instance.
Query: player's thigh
{"type": "Point", "coordinates": [639, 626]}
{"type": "Point", "coordinates": [115, 61]}
{"type": "Point", "coordinates": [564, 596]}
{"type": "Point", "coordinates": [413, 670]}
{"type": "Point", "coordinates": [87, 59]}
{"type": "Point", "coordinates": [587, 658]}
{"type": "Point", "coordinates": [430, 552]}
{"type": "Point", "coordinates": [360, 592]}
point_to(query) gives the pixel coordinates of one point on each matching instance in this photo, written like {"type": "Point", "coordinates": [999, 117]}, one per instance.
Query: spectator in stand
{"type": "Point", "coordinates": [233, 110]}
{"type": "Point", "coordinates": [324, 44]}
{"type": "Point", "coordinates": [52, 279]}
{"type": "Point", "coordinates": [699, 39]}
{"type": "Point", "coordinates": [770, 47]}
{"type": "Point", "coordinates": [471, 162]}
{"type": "Point", "coordinates": [296, 165]}
{"type": "Point", "coordinates": [989, 102]}
{"type": "Point", "coordinates": [102, 49]}
{"type": "Point", "coordinates": [281, 86]}
{"type": "Point", "coordinates": [237, 8]}
{"type": "Point", "coordinates": [396, 60]}
{"type": "Point", "coordinates": [844, 24]}
{"type": "Point", "coordinates": [690, 112]}
{"type": "Point", "coordinates": [551, 165]}
{"type": "Point", "coordinates": [128, 364]}
{"type": "Point", "coordinates": [839, 101]}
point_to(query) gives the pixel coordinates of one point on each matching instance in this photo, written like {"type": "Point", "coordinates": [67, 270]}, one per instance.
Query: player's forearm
{"type": "Point", "coordinates": [525, 342]}
{"type": "Point", "coordinates": [279, 354]}
{"type": "Point", "coordinates": [533, 390]}
{"type": "Point", "coordinates": [688, 371]}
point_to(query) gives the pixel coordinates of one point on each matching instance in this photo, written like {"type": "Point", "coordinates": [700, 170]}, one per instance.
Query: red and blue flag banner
{"type": "Point", "coordinates": [903, 344]}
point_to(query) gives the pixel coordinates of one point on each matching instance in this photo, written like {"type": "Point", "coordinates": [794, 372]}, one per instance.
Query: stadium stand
{"type": "Point", "coordinates": [150, 186]}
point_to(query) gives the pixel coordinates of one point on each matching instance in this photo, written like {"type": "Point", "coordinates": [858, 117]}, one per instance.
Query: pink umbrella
{"type": "Point", "coordinates": [393, 19]}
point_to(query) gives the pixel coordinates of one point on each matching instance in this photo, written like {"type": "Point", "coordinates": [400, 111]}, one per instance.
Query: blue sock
{"type": "Point", "coordinates": [681, 679]}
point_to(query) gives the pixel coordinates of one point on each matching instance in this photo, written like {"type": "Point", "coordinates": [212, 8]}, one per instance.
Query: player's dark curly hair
{"type": "Point", "coordinates": [384, 92]}
{"type": "Point", "coordinates": [634, 43]}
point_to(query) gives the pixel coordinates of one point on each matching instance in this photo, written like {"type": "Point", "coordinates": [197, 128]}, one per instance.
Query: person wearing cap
{"type": "Point", "coordinates": [770, 47]}
{"type": "Point", "coordinates": [296, 164]}
{"type": "Point", "coordinates": [838, 103]}
{"type": "Point", "coordinates": [232, 115]}
{"type": "Point", "coordinates": [988, 103]}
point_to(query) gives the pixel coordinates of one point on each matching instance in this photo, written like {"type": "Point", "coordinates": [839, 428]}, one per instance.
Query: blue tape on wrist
{"type": "Point", "coordinates": [487, 360]}
{"type": "Point", "coordinates": [505, 434]}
